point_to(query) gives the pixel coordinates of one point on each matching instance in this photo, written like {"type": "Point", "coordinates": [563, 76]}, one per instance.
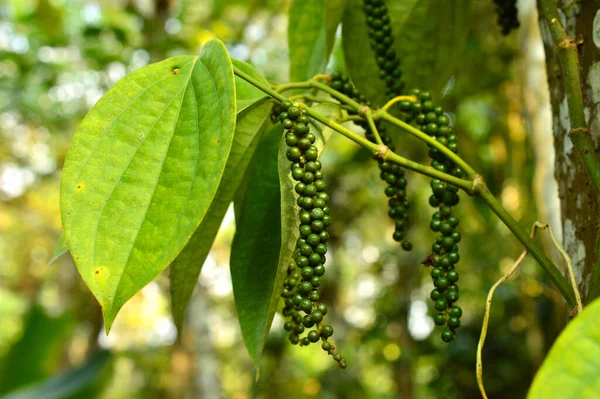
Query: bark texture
{"type": "Point", "coordinates": [580, 212]}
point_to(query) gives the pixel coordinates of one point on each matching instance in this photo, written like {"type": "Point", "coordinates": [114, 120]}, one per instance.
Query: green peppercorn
{"type": "Point", "coordinates": [441, 304]}
{"type": "Point", "coordinates": [456, 311]}
{"type": "Point", "coordinates": [435, 295]}
{"type": "Point", "coordinates": [439, 319]}
{"type": "Point", "coordinates": [326, 331]}
{"type": "Point", "coordinates": [447, 335]}
{"type": "Point", "coordinates": [307, 322]}
{"type": "Point", "coordinates": [313, 336]}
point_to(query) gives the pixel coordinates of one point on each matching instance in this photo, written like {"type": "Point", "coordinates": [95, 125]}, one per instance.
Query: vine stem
{"type": "Point", "coordinates": [383, 152]}
{"type": "Point", "coordinates": [557, 278]}
{"type": "Point", "coordinates": [427, 139]}
{"type": "Point", "coordinates": [374, 148]}
{"type": "Point", "coordinates": [473, 187]}
{"type": "Point", "coordinates": [381, 114]}
{"type": "Point", "coordinates": [371, 122]}
{"type": "Point", "coordinates": [579, 133]}
{"type": "Point", "coordinates": [398, 99]}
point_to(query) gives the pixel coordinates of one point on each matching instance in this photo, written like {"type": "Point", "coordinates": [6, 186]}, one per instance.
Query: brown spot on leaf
{"type": "Point", "coordinates": [174, 70]}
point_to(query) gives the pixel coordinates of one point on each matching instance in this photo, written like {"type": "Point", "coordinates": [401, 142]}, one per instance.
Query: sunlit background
{"type": "Point", "coordinates": [57, 58]}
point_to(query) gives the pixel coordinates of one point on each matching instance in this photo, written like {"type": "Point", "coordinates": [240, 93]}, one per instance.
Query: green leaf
{"type": "Point", "coordinates": [37, 352]}
{"type": "Point", "coordinates": [186, 267]}
{"type": "Point", "coordinates": [311, 33]}
{"type": "Point", "coordinates": [61, 249]}
{"type": "Point", "coordinates": [143, 169]}
{"type": "Point", "coordinates": [256, 245]}
{"type": "Point", "coordinates": [80, 382]}
{"type": "Point", "coordinates": [266, 234]}
{"type": "Point", "coordinates": [572, 366]}
{"type": "Point", "coordinates": [429, 36]}
{"type": "Point", "coordinates": [245, 93]}
{"type": "Point", "coordinates": [431, 42]}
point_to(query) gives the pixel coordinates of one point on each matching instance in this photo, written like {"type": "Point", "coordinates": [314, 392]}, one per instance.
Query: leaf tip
{"type": "Point", "coordinates": [257, 374]}
{"type": "Point", "coordinates": [109, 313]}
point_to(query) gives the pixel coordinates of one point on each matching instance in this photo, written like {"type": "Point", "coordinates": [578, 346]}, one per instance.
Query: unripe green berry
{"type": "Point", "coordinates": [294, 338]}
{"type": "Point", "coordinates": [452, 276]}
{"type": "Point", "coordinates": [315, 281]}
{"type": "Point", "coordinates": [317, 316]}
{"type": "Point", "coordinates": [441, 282]}
{"type": "Point", "coordinates": [312, 239]}
{"type": "Point", "coordinates": [439, 319]}
{"type": "Point", "coordinates": [441, 304]}
{"type": "Point", "coordinates": [313, 336]}
{"type": "Point", "coordinates": [307, 273]}
{"type": "Point", "coordinates": [326, 331]}
{"type": "Point", "coordinates": [456, 311]}
{"type": "Point", "coordinates": [307, 321]}
{"type": "Point", "coordinates": [447, 335]}
{"type": "Point", "coordinates": [435, 272]}
{"type": "Point", "coordinates": [435, 295]}
{"type": "Point", "coordinates": [314, 295]}
{"type": "Point", "coordinates": [454, 322]}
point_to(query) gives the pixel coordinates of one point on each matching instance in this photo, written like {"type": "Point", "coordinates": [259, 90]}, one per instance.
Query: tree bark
{"type": "Point", "coordinates": [580, 212]}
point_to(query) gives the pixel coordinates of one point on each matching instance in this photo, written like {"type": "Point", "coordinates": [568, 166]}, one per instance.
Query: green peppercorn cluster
{"type": "Point", "coordinates": [506, 10]}
{"type": "Point", "coordinates": [431, 120]}
{"type": "Point", "coordinates": [380, 33]}
{"type": "Point", "coordinates": [392, 174]}
{"type": "Point", "coordinates": [301, 292]}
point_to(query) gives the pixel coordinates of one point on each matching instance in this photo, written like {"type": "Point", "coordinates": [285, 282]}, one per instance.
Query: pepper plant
{"type": "Point", "coordinates": [156, 163]}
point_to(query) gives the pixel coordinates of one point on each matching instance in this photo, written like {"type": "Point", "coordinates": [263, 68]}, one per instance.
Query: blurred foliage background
{"type": "Point", "coordinates": [58, 57]}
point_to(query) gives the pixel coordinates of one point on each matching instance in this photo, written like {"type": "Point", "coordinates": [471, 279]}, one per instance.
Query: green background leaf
{"type": "Point", "coordinates": [143, 169]}
{"type": "Point", "coordinates": [186, 267]}
{"type": "Point", "coordinates": [311, 34]}
{"type": "Point", "coordinates": [77, 383]}
{"type": "Point", "coordinates": [429, 36]}
{"type": "Point", "coordinates": [38, 350]}
{"type": "Point", "coordinates": [572, 366]}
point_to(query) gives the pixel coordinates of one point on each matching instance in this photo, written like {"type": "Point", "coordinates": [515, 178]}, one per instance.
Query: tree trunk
{"type": "Point", "coordinates": [579, 203]}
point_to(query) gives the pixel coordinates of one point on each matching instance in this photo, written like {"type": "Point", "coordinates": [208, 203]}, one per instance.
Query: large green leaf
{"type": "Point", "coordinates": [143, 169]}
{"type": "Point", "coordinates": [267, 230]}
{"type": "Point", "coordinates": [572, 367]}
{"type": "Point", "coordinates": [429, 36]}
{"type": "Point", "coordinates": [311, 34]}
{"type": "Point", "coordinates": [80, 382]}
{"type": "Point", "coordinates": [186, 267]}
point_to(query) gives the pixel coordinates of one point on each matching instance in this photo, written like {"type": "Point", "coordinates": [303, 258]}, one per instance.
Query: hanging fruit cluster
{"type": "Point", "coordinates": [444, 256]}
{"type": "Point", "coordinates": [301, 292]}
{"type": "Point", "coordinates": [391, 174]}
{"type": "Point", "coordinates": [506, 10]}
{"type": "Point", "coordinates": [382, 43]}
